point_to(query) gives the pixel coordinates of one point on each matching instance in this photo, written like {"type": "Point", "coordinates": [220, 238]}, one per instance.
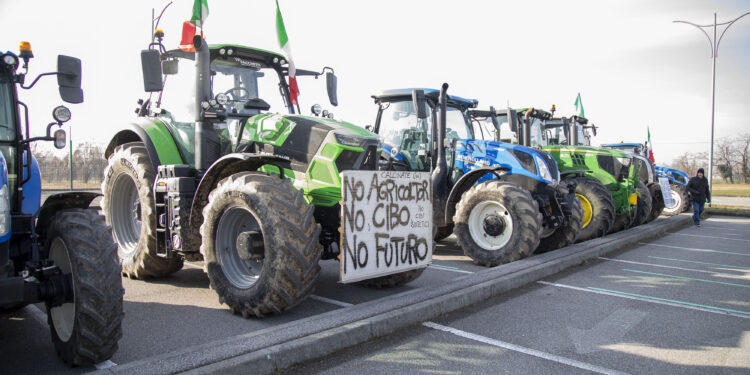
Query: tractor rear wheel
{"type": "Point", "coordinates": [85, 331]}
{"type": "Point", "coordinates": [597, 205]}
{"type": "Point", "coordinates": [680, 199]}
{"type": "Point", "coordinates": [128, 205]}
{"type": "Point", "coordinates": [566, 234]}
{"type": "Point", "coordinates": [643, 208]}
{"type": "Point", "coordinates": [260, 244]}
{"type": "Point", "coordinates": [497, 222]}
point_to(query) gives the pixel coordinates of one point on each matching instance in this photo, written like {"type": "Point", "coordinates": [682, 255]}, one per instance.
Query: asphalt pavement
{"type": "Point", "coordinates": [676, 304]}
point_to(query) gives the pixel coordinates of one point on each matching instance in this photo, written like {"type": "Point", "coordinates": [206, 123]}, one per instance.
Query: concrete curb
{"type": "Point", "coordinates": [279, 347]}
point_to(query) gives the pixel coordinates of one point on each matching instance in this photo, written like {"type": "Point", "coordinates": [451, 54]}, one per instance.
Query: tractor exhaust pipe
{"type": "Point", "coordinates": [574, 126]}
{"type": "Point", "coordinates": [440, 174]}
{"type": "Point", "coordinates": [526, 128]}
{"type": "Point", "coordinates": [207, 148]}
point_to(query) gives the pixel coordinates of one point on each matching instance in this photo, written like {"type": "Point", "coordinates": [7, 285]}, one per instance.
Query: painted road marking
{"type": "Point", "coordinates": [657, 300]}
{"type": "Point", "coordinates": [673, 267]}
{"type": "Point", "coordinates": [719, 238]}
{"type": "Point", "coordinates": [521, 349]}
{"type": "Point", "coordinates": [192, 265]}
{"type": "Point", "coordinates": [697, 262]}
{"type": "Point", "coordinates": [694, 249]}
{"type": "Point", "coordinates": [104, 365]}
{"type": "Point", "coordinates": [688, 278]}
{"type": "Point", "coordinates": [331, 301]}
{"type": "Point", "coordinates": [724, 228]}
{"type": "Point", "coordinates": [448, 268]}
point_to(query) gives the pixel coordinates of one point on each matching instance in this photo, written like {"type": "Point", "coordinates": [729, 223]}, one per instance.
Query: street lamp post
{"type": "Point", "coordinates": [714, 53]}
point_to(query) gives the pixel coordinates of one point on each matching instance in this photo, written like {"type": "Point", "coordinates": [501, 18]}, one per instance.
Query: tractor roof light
{"type": "Point", "coordinates": [10, 60]}
{"type": "Point", "coordinates": [26, 53]}
{"type": "Point", "coordinates": [61, 114]}
{"type": "Point", "coordinates": [316, 109]}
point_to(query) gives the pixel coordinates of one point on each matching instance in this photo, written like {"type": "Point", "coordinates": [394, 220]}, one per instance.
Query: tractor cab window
{"type": "Point", "coordinates": [248, 89]}
{"type": "Point", "coordinates": [538, 138]}
{"type": "Point", "coordinates": [407, 136]}
{"type": "Point", "coordinates": [178, 96]}
{"type": "Point", "coordinates": [456, 124]}
{"type": "Point", "coordinates": [581, 134]}
{"type": "Point", "coordinates": [506, 134]}
{"type": "Point", "coordinates": [7, 128]}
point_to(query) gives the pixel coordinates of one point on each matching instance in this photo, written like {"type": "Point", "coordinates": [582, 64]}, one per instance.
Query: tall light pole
{"type": "Point", "coordinates": [714, 53]}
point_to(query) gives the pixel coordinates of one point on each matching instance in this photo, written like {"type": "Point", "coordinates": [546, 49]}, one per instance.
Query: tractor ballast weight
{"type": "Point", "coordinates": [59, 253]}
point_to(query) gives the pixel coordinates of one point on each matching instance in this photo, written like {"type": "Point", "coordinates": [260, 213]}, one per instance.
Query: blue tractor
{"type": "Point", "coordinates": [61, 253]}
{"type": "Point", "coordinates": [502, 201]}
{"type": "Point", "coordinates": [678, 186]}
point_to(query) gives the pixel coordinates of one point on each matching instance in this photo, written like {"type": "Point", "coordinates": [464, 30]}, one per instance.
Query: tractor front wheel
{"type": "Point", "coordinates": [679, 198]}
{"type": "Point", "coordinates": [657, 204]}
{"type": "Point", "coordinates": [566, 234]}
{"type": "Point", "coordinates": [85, 330]}
{"type": "Point", "coordinates": [260, 244]}
{"type": "Point", "coordinates": [497, 222]}
{"type": "Point", "coordinates": [597, 205]}
{"type": "Point", "coordinates": [128, 204]}
{"type": "Point", "coordinates": [644, 205]}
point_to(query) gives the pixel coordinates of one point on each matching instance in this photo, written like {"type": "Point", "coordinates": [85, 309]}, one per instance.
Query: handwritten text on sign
{"type": "Point", "coordinates": [666, 192]}
{"type": "Point", "coordinates": [386, 223]}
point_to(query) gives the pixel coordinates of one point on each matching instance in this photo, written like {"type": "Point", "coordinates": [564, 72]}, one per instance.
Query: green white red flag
{"type": "Point", "coordinates": [650, 147]}
{"type": "Point", "coordinates": [194, 26]}
{"type": "Point", "coordinates": [284, 43]}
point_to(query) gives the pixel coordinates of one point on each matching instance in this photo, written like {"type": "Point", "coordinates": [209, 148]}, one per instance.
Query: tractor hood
{"type": "Point", "coordinates": [536, 164]}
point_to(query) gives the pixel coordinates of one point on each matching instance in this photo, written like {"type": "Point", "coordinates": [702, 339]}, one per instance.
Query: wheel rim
{"type": "Point", "coordinates": [63, 316]}
{"type": "Point", "coordinates": [490, 225]}
{"type": "Point", "coordinates": [125, 213]}
{"type": "Point", "coordinates": [241, 273]}
{"type": "Point", "coordinates": [588, 210]}
{"type": "Point", "coordinates": [677, 199]}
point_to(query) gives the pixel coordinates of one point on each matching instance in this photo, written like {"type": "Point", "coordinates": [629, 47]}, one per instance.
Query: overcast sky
{"type": "Point", "coordinates": [633, 67]}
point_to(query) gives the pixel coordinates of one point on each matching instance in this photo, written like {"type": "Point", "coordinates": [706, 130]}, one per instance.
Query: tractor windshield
{"type": "Point", "coordinates": [505, 134]}
{"type": "Point", "coordinates": [241, 84]}
{"type": "Point", "coordinates": [537, 138]}
{"type": "Point", "coordinates": [7, 128]}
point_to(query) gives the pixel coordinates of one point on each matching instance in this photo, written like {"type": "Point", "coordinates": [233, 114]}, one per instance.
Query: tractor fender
{"type": "Point", "coordinates": [574, 173]}
{"type": "Point", "coordinates": [465, 183]}
{"type": "Point", "coordinates": [159, 142]}
{"type": "Point", "coordinates": [57, 202]}
{"type": "Point", "coordinates": [226, 166]}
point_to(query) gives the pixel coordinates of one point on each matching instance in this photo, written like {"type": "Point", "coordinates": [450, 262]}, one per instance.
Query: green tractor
{"type": "Point", "coordinates": [604, 179]}
{"type": "Point", "coordinates": [213, 174]}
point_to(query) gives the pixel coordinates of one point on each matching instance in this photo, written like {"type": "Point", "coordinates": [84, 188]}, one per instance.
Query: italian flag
{"type": "Point", "coordinates": [650, 148]}
{"type": "Point", "coordinates": [579, 103]}
{"type": "Point", "coordinates": [194, 26]}
{"type": "Point", "coordinates": [284, 43]}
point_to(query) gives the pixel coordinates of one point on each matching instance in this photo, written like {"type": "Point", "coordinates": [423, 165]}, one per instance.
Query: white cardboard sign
{"type": "Point", "coordinates": [666, 192]}
{"type": "Point", "coordinates": [386, 223]}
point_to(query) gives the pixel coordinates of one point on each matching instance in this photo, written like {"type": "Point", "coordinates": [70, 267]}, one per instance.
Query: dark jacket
{"type": "Point", "coordinates": [698, 189]}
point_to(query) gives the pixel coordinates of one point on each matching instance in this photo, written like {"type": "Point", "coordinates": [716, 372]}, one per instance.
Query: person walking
{"type": "Point", "coordinates": [699, 194]}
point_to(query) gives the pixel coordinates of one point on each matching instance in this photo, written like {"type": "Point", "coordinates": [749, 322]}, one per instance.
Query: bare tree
{"type": "Point", "coordinates": [725, 158]}
{"type": "Point", "coordinates": [744, 156]}
{"type": "Point", "coordinates": [689, 162]}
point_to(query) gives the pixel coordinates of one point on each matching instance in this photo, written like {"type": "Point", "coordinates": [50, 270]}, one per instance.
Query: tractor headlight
{"type": "Point", "coordinates": [61, 114]}
{"type": "Point", "coordinates": [10, 60]}
{"type": "Point", "coordinates": [4, 210]}
{"type": "Point", "coordinates": [350, 140]}
{"type": "Point", "coordinates": [543, 170]}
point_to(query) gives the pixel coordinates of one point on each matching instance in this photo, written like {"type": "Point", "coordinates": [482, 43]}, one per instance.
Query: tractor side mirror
{"type": "Point", "coordinates": [60, 139]}
{"type": "Point", "coordinates": [151, 65]}
{"type": "Point", "coordinates": [593, 128]}
{"type": "Point", "coordinates": [69, 79]}
{"type": "Point", "coordinates": [418, 101]}
{"type": "Point", "coordinates": [493, 118]}
{"type": "Point", "coordinates": [513, 120]}
{"type": "Point", "coordinates": [169, 67]}
{"type": "Point", "coordinates": [331, 87]}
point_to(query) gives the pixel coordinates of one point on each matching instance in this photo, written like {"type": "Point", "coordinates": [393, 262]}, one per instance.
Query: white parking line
{"type": "Point", "coordinates": [693, 249]}
{"type": "Point", "coordinates": [104, 365]}
{"type": "Point", "coordinates": [656, 300]}
{"type": "Point", "coordinates": [673, 267]}
{"type": "Point", "coordinates": [192, 265]}
{"type": "Point", "coordinates": [448, 268]}
{"type": "Point", "coordinates": [724, 228]}
{"type": "Point", "coordinates": [521, 349]}
{"type": "Point", "coordinates": [331, 301]}
{"type": "Point", "coordinates": [704, 236]}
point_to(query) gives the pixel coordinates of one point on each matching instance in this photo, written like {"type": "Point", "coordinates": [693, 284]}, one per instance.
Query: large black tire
{"type": "Point", "coordinates": [443, 232]}
{"type": "Point", "coordinates": [272, 207]}
{"type": "Point", "coordinates": [598, 207]}
{"type": "Point", "coordinates": [643, 208]}
{"type": "Point", "coordinates": [681, 200]}
{"type": "Point", "coordinates": [389, 281]}
{"type": "Point", "coordinates": [86, 330]}
{"type": "Point", "coordinates": [129, 208]}
{"type": "Point", "coordinates": [657, 205]}
{"type": "Point", "coordinates": [566, 234]}
{"type": "Point", "coordinates": [497, 222]}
